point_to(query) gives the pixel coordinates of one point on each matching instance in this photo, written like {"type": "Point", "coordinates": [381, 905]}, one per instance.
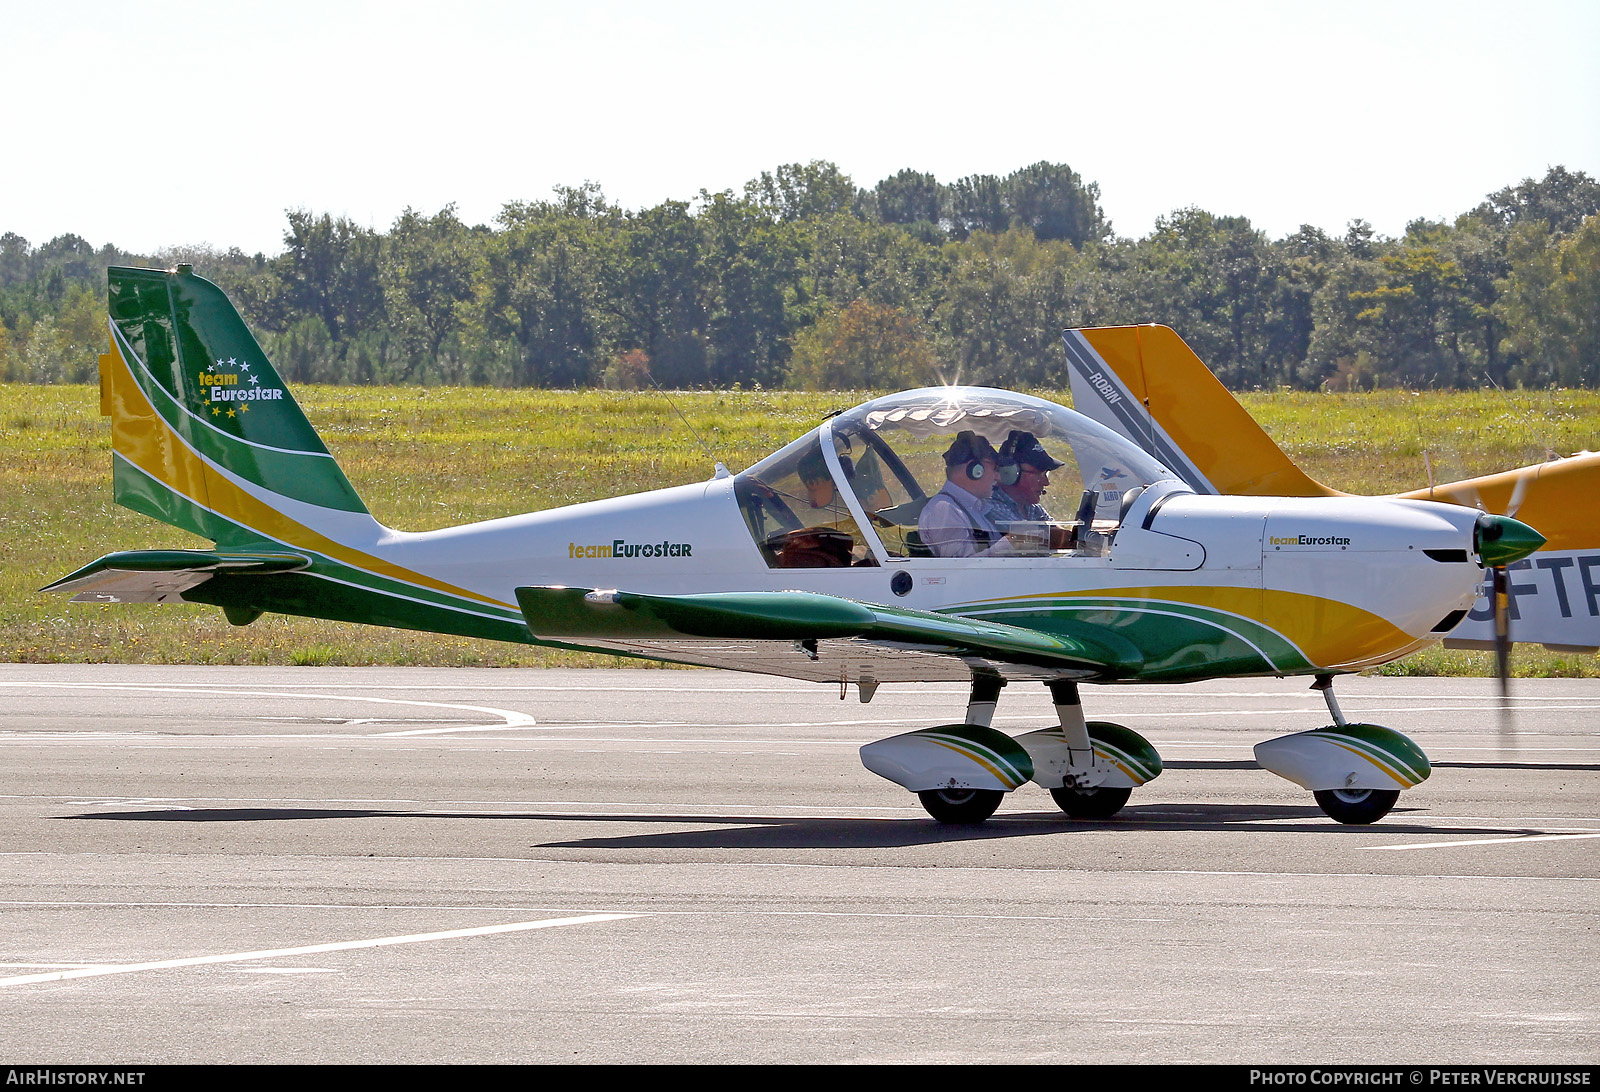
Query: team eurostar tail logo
{"type": "Point", "coordinates": [231, 387]}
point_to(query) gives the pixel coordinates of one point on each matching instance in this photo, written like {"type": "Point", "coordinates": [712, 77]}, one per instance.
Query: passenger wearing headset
{"type": "Point", "coordinates": [955, 522]}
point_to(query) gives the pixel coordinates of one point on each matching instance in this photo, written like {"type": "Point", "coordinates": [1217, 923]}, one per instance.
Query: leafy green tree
{"type": "Point", "coordinates": [15, 259]}
{"type": "Point", "coordinates": [796, 191]}
{"type": "Point", "coordinates": [430, 267]}
{"type": "Point", "coordinates": [547, 289]}
{"type": "Point", "coordinates": [1214, 279]}
{"type": "Point", "coordinates": [755, 291]}
{"type": "Point", "coordinates": [666, 288]}
{"type": "Point", "coordinates": [865, 345]}
{"type": "Point", "coordinates": [978, 203]}
{"type": "Point", "coordinates": [331, 268]}
{"type": "Point", "coordinates": [65, 347]}
{"type": "Point", "coordinates": [1005, 302]}
{"type": "Point", "coordinates": [1415, 314]}
{"type": "Point", "coordinates": [1052, 201]}
{"type": "Point", "coordinates": [909, 197]}
{"type": "Point", "coordinates": [1562, 199]}
{"type": "Point", "coordinates": [1551, 304]}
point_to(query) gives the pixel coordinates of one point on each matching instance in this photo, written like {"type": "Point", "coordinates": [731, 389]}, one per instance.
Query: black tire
{"type": "Point", "coordinates": [1100, 803]}
{"type": "Point", "coordinates": [1356, 806]}
{"type": "Point", "coordinates": [960, 805]}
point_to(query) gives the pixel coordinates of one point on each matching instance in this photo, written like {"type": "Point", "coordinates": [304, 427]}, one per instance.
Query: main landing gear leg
{"type": "Point", "coordinates": [1069, 714]}
{"type": "Point", "coordinates": [1079, 796]}
{"type": "Point", "coordinates": [985, 696]}
{"type": "Point", "coordinates": [1324, 683]}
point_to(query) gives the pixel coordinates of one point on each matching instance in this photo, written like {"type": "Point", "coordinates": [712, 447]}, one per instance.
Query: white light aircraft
{"type": "Point", "coordinates": [836, 559]}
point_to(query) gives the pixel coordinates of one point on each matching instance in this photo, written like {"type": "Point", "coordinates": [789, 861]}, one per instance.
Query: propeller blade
{"type": "Point", "coordinates": [1502, 650]}
{"type": "Point", "coordinates": [1518, 493]}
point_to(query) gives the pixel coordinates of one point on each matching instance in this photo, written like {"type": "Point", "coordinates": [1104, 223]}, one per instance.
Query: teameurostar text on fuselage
{"type": "Point", "coordinates": [820, 562]}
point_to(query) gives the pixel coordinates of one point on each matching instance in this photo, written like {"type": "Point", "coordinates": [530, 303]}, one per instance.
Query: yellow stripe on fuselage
{"type": "Point", "coordinates": [1327, 632]}
{"type": "Point", "coordinates": [142, 436]}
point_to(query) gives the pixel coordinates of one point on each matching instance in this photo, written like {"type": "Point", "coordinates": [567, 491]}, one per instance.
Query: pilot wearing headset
{"type": "Point", "coordinates": [1024, 475]}
{"type": "Point", "coordinates": [955, 521]}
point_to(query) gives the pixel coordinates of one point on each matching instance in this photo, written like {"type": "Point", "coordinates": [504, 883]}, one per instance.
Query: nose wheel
{"type": "Point", "coordinates": [1356, 806]}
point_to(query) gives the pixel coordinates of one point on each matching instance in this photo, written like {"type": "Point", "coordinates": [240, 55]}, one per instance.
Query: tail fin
{"type": "Point", "coordinates": [1145, 383]}
{"type": "Point", "coordinates": [204, 434]}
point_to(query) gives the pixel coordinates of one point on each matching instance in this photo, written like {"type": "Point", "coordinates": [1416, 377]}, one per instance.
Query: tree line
{"type": "Point", "coordinates": [805, 279]}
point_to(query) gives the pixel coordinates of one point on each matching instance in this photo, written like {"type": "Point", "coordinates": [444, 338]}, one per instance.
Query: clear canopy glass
{"type": "Point", "coordinates": [890, 456]}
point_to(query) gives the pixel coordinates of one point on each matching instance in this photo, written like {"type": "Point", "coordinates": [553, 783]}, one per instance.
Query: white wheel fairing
{"type": "Point", "coordinates": [1348, 757]}
{"type": "Point", "coordinates": [954, 757]}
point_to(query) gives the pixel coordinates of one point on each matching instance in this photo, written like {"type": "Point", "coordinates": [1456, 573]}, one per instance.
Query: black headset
{"type": "Point", "coordinates": [1010, 470]}
{"type": "Point", "coordinates": [974, 461]}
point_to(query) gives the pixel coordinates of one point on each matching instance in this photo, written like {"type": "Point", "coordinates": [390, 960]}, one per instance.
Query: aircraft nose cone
{"type": "Point", "coordinates": [1500, 540]}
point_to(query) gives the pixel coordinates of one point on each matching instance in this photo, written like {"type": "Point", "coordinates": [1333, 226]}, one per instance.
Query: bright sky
{"type": "Point", "coordinates": [160, 123]}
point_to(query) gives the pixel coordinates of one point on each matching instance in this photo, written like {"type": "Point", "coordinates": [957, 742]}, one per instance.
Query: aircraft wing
{"type": "Point", "coordinates": [162, 576]}
{"type": "Point", "coordinates": [823, 638]}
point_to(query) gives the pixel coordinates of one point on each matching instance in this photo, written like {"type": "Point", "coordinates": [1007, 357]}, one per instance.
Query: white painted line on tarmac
{"type": "Point", "coordinates": [310, 949]}
{"type": "Point", "coordinates": [1489, 841]}
{"type": "Point", "coordinates": [510, 717]}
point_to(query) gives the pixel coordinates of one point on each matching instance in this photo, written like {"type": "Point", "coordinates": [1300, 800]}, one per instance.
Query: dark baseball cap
{"type": "Point", "coordinates": [1026, 448]}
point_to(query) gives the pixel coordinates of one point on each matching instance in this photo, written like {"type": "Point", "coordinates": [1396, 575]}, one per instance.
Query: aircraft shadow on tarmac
{"type": "Point", "coordinates": [752, 832]}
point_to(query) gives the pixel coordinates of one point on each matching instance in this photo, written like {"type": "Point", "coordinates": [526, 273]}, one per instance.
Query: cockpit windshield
{"type": "Point", "coordinates": [952, 472]}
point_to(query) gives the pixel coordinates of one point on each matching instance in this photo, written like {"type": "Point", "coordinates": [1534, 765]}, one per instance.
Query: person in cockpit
{"type": "Point", "coordinates": [818, 481]}
{"type": "Point", "coordinates": [1025, 468]}
{"type": "Point", "coordinates": [1024, 475]}
{"type": "Point", "coordinates": [955, 521]}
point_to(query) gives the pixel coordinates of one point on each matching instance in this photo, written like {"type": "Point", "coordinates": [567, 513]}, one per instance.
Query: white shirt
{"type": "Point", "coordinates": [949, 519]}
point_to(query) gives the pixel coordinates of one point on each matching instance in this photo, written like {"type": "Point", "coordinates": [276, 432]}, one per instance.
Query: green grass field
{"type": "Point", "coordinates": [429, 457]}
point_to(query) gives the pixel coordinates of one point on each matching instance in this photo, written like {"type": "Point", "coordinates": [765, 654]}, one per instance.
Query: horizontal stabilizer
{"type": "Point", "coordinates": [162, 576]}
{"type": "Point", "coordinates": [631, 620]}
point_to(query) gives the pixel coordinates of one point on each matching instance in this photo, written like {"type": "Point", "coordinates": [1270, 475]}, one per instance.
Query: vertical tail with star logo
{"type": "Point", "coordinates": [205, 436]}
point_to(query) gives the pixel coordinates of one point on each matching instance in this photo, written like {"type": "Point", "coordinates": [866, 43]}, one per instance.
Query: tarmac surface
{"type": "Point", "coordinates": [417, 865]}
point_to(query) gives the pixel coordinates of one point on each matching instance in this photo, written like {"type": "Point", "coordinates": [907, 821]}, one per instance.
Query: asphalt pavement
{"type": "Point", "coordinates": [417, 865]}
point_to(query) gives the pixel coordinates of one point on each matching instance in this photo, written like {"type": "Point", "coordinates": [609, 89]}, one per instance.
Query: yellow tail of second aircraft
{"type": "Point", "coordinates": [1146, 383]}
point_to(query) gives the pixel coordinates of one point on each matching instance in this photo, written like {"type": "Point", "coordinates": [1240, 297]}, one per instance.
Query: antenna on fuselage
{"type": "Point", "coordinates": [721, 470]}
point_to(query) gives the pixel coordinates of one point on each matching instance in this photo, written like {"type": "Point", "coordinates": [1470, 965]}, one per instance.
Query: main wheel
{"type": "Point", "coordinates": [1098, 803]}
{"type": "Point", "coordinates": [1357, 806]}
{"type": "Point", "coordinates": [960, 805]}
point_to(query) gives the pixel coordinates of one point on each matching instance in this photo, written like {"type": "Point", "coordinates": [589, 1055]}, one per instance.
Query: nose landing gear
{"type": "Point", "coordinates": [1355, 771]}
